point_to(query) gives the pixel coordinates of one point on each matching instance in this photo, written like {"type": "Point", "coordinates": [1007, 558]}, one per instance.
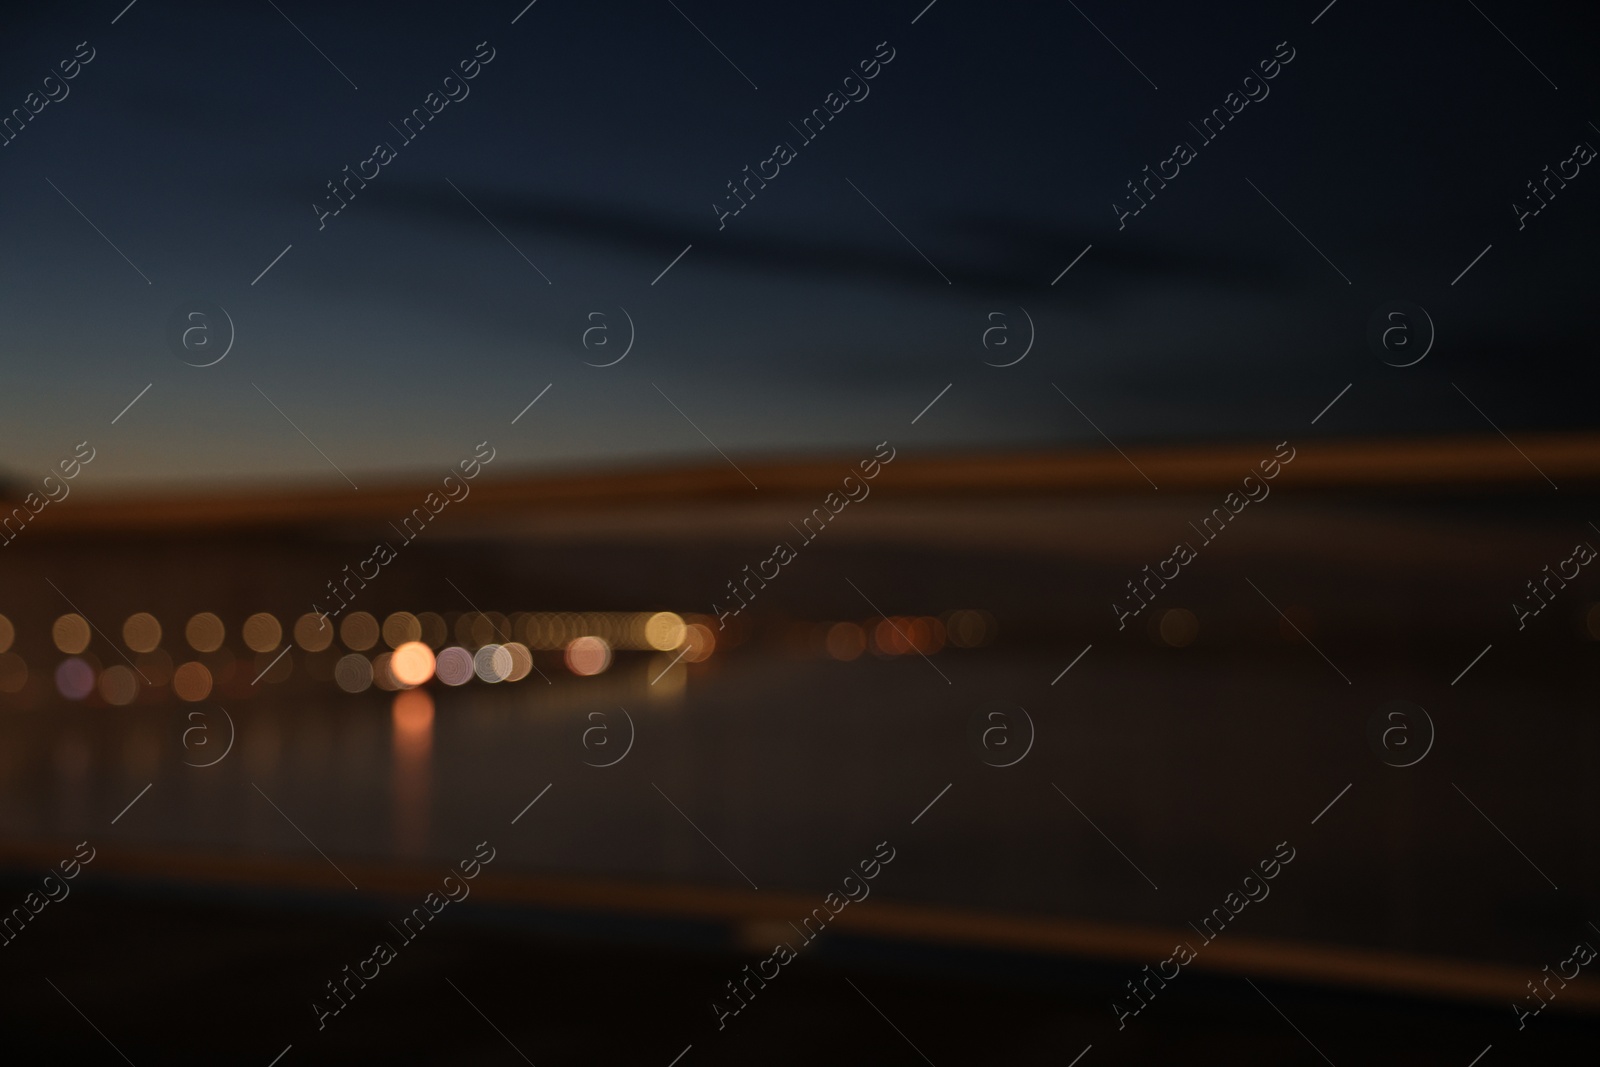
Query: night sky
{"type": "Point", "coordinates": [991, 148]}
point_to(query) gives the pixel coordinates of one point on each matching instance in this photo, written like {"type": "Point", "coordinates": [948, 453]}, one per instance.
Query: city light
{"type": "Point", "coordinates": [408, 650]}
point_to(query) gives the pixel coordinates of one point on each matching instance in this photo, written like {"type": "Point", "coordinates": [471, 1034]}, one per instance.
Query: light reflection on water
{"type": "Point", "coordinates": [362, 767]}
{"type": "Point", "coordinates": [792, 768]}
{"type": "Point", "coordinates": [411, 718]}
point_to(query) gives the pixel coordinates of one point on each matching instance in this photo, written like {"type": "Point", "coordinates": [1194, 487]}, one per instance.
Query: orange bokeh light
{"type": "Point", "coordinates": [588, 656]}
{"type": "Point", "coordinates": [412, 663]}
{"type": "Point", "coordinates": [701, 641]}
{"type": "Point", "coordinates": [846, 641]}
{"type": "Point", "coordinates": [192, 681]}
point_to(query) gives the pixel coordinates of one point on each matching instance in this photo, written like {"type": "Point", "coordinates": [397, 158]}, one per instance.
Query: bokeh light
{"type": "Point", "coordinates": [492, 663]}
{"type": "Point", "coordinates": [521, 661]}
{"type": "Point", "coordinates": [453, 666]}
{"type": "Point", "coordinates": [927, 634]}
{"type": "Point", "coordinates": [701, 641]}
{"type": "Point", "coordinates": [588, 655]}
{"type": "Point", "coordinates": [141, 632]}
{"type": "Point", "coordinates": [970, 629]}
{"type": "Point", "coordinates": [412, 663]}
{"type": "Point", "coordinates": [261, 632]}
{"type": "Point", "coordinates": [1179, 627]}
{"type": "Point", "coordinates": [382, 676]}
{"type": "Point", "coordinates": [900, 635]}
{"type": "Point", "coordinates": [74, 678]}
{"type": "Point", "coordinates": [400, 628]}
{"type": "Point", "coordinates": [359, 631]}
{"type": "Point", "coordinates": [353, 673]}
{"type": "Point", "coordinates": [588, 642]}
{"type": "Point", "coordinates": [664, 631]}
{"type": "Point", "coordinates": [192, 681]}
{"type": "Point", "coordinates": [71, 635]}
{"type": "Point", "coordinates": [312, 632]}
{"type": "Point", "coordinates": [204, 632]}
{"type": "Point", "coordinates": [888, 638]}
{"type": "Point", "coordinates": [488, 627]}
{"type": "Point", "coordinates": [119, 685]}
{"type": "Point", "coordinates": [846, 641]}
{"type": "Point", "coordinates": [434, 632]}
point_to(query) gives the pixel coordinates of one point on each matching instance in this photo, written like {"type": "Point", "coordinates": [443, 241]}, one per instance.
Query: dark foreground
{"type": "Point", "coordinates": [180, 978]}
